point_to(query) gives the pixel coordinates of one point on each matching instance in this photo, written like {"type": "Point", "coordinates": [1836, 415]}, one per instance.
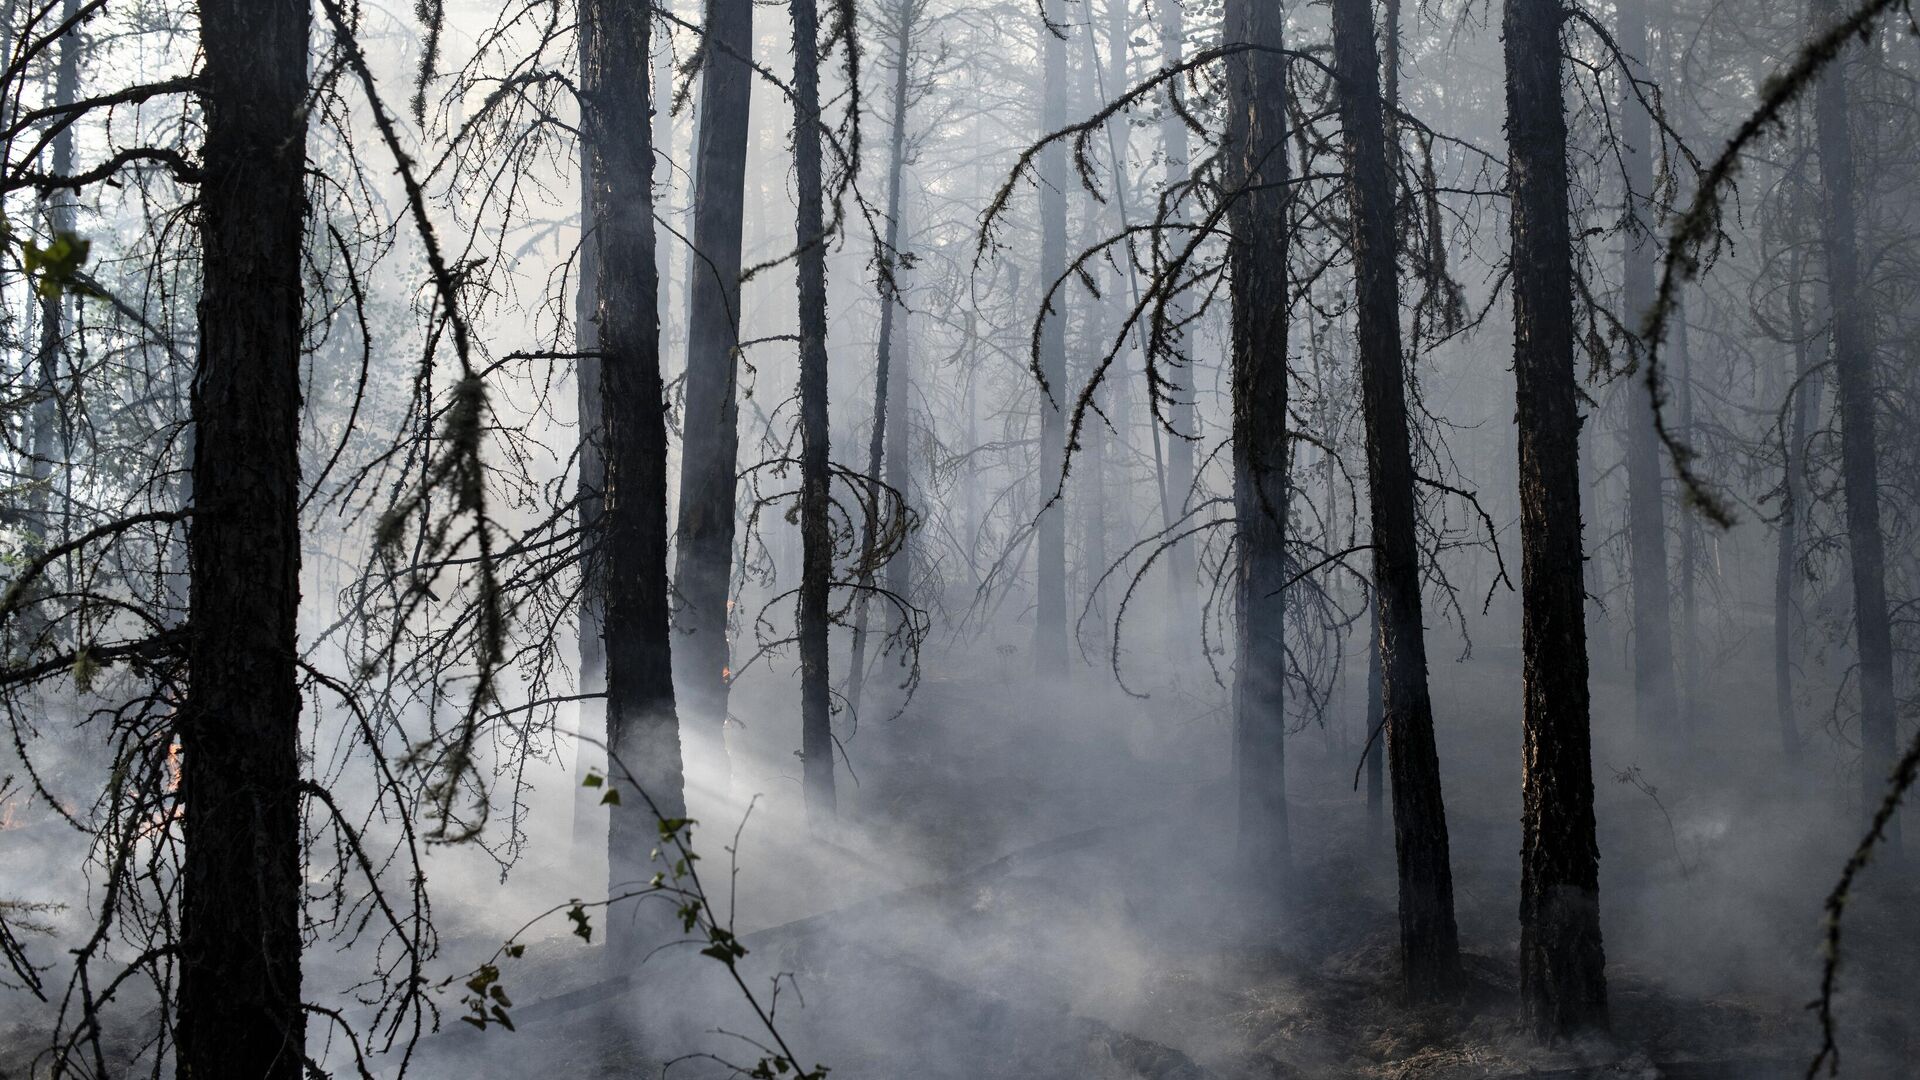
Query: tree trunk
{"type": "Point", "coordinates": [589, 820]}
{"type": "Point", "coordinates": [1429, 942]}
{"type": "Point", "coordinates": [240, 1015]}
{"type": "Point", "coordinates": [710, 445]}
{"type": "Point", "coordinates": [1854, 394]}
{"type": "Point", "coordinates": [1050, 571]}
{"type": "Point", "coordinates": [48, 447]}
{"type": "Point", "coordinates": [643, 732]}
{"type": "Point", "coordinates": [1806, 409]}
{"type": "Point", "coordinates": [1180, 412]}
{"type": "Point", "coordinates": [816, 539]}
{"type": "Point", "coordinates": [881, 452]}
{"type": "Point", "coordinates": [1257, 180]}
{"type": "Point", "coordinates": [1562, 964]}
{"type": "Point", "coordinates": [1656, 708]}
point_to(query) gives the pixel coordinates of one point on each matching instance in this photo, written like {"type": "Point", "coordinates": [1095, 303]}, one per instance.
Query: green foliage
{"type": "Point", "coordinates": [60, 265]}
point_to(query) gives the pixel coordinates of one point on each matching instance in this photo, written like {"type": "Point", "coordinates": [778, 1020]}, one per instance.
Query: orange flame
{"type": "Point", "coordinates": [173, 768]}
{"type": "Point", "coordinates": [726, 674]}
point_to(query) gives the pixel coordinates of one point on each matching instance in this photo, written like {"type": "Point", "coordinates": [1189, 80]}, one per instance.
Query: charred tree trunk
{"type": "Point", "coordinates": [643, 732]}
{"type": "Point", "coordinates": [880, 449]}
{"type": "Point", "coordinates": [1429, 942]}
{"type": "Point", "coordinates": [710, 446]}
{"type": "Point", "coordinates": [816, 538]}
{"type": "Point", "coordinates": [240, 1014]}
{"type": "Point", "coordinates": [1656, 707]}
{"type": "Point", "coordinates": [1050, 604]}
{"type": "Point", "coordinates": [1563, 985]}
{"type": "Point", "coordinates": [589, 821]}
{"type": "Point", "coordinates": [1854, 394]}
{"type": "Point", "coordinates": [1256, 145]}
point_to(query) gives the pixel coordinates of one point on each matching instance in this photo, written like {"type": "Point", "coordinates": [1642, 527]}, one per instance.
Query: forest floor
{"type": "Point", "coordinates": [1031, 884]}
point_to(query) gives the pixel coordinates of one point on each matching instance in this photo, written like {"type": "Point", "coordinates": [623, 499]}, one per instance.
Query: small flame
{"type": "Point", "coordinates": [729, 607]}
{"type": "Point", "coordinates": [173, 768]}
{"type": "Point", "coordinates": [726, 674]}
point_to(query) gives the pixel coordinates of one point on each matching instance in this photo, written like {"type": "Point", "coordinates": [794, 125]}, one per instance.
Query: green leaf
{"type": "Point", "coordinates": [592, 779]}
{"type": "Point", "coordinates": [611, 798]}
{"type": "Point", "coordinates": [581, 928]}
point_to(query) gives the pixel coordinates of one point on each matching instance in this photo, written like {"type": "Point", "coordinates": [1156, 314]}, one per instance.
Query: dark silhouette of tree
{"type": "Point", "coordinates": [1562, 964]}
{"type": "Point", "coordinates": [709, 450]}
{"type": "Point", "coordinates": [1429, 942]}
{"type": "Point", "coordinates": [816, 528]}
{"type": "Point", "coordinates": [1854, 391]}
{"type": "Point", "coordinates": [243, 879]}
{"type": "Point", "coordinates": [1256, 182]}
{"type": "Point", "coordinates": [643, 730]}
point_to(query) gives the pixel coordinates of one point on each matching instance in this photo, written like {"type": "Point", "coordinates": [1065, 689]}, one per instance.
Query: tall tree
{"type": "Point", "coordinates": [1656, 704]}
{"type": "Point", "coordinates": [886, 446]}
{"type": "Point", "coordinates": [1050, 571]}
{"type": "Point", "coordinates": [710, 445]}
{"type": "Point", "coordinates": [1180, 412]}
{"type": "Point", "coordinates": [1563, 985]}
{"type": "Point", "coordinates": [240, 1013]}
{"type": "Point", "coordinates": [1855, 396]}
{"type": "Point", "coordinates": [1257, 184]}
{"type": "Point", "coordinates": [1429, 941]}
{"type": "Point", "coordinates": [643, 732]}
{"type": "Point", "coordinates": [816, 536]}
{"type": "Point", "coordinates": [48, 443]}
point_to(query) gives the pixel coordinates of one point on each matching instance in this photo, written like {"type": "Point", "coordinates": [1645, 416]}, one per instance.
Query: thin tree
{"type": "Point", "coordinates": [1656, 704]}
{"type": "Point", "coordinates": [240, 1012]}
{"type": "Point", "coordinates": [1563, 985]}
{"type": "Point", "coordinates": [816, 529]}
{"type": "Point", "coordinates": [886, 446]}
{"type": "Point", "coordinates": [1180, 411]}
{"type": "Point", "coordinates": [709, 448]}
{"type": "Point", "coordinates": [1429, 941]}
{"type": "Point", "coordinates": [1050, 612]}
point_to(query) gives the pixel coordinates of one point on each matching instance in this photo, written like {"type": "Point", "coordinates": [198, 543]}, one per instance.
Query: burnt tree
{"type": "Point", "coordinates": [1429, 941]}
{"type": "Point", "coordinates": [1854, 395]}
{"type": "Point", "coordinates": [816, 528]}
{"type": "Point", "coordinates": [240, 1014]}
{"type": "Point", "coordinates": [1563, 985]}
{"type": "Point", "coordinates": [709, 449]}
{"type": "Point", "coordinates": [643, 733]}
{"type": "Point", "coordinates": [1256, 182]}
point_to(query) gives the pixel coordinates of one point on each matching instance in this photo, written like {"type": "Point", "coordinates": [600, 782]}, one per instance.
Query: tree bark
{"type": "Point", "coordinates": [816, 539]}
{"type": "Point", "coordinates": [1854, 394]}
{"type": "Point", "coordinates": [240, 1015]}
{"type": "Point", "coordinates": [589, 820]}
{"type": "Point", "coordinates": [1656, 707]}
{"type": "Point", "coordinates": [1257, 181]}
{"type": "Point", "coordinates": [710, 446]}
{"type": "Point", "coordinates": [1429, 942]}
{"type": "Point", "coordinates": [643, 732]}
{"type": "Point", "coordinates": [1562, 963]}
